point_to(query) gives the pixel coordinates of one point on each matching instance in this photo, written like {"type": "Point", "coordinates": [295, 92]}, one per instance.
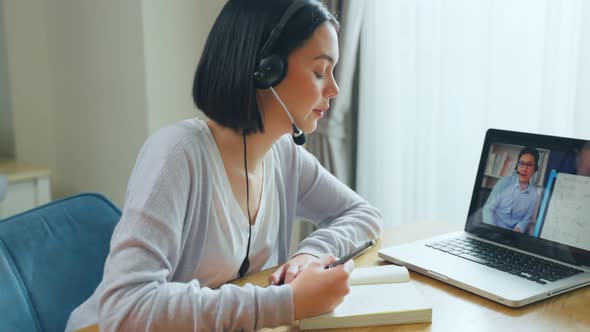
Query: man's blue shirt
{"type": "Point", "coordinates": [510, 207]}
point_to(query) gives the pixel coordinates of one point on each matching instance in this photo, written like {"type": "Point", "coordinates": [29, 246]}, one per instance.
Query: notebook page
{"type": "Point", "coordinates": [380, 298]}
{"type": "Point", "coordinates": [375, 304]}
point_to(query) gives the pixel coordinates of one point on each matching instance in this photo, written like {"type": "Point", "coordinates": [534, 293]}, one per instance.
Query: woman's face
{"type": "Point", "coordinates": [309, 84]}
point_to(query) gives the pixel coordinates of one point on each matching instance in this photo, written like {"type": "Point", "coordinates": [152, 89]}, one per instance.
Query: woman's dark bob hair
{"type": "Point", "coordinates": [223, 87]}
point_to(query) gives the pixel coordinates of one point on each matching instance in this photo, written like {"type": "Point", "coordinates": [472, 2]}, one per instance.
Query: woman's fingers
{"type": "Point", "coordinates": [278, 276]}
{"type": "Point", "coordinates": [292, 272]}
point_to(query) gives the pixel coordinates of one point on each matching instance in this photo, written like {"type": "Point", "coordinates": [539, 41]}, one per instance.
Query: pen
{"type": "Point", "coordinates": [354, 254]}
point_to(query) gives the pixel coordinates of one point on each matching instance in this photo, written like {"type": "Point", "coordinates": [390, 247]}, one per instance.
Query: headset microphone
{"type": "Point", "coordinates": [298, 134]}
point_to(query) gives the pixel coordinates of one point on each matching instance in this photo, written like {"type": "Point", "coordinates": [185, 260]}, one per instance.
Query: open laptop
{"type": "Point", "coordinates": [527, 233]}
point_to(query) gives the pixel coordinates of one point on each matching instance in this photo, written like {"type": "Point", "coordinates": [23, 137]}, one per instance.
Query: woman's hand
{"type": "Point", "coordinates": [318, 290]}
{"type": "Point", "coordinates": [289, 271]}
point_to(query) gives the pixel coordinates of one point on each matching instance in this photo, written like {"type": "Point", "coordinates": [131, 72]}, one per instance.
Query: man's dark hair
{"type": "Point", "coordinates": [223, 86]}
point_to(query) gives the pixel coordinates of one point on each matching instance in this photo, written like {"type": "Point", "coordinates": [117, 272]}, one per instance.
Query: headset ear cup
{"type": "Point", "coordinates": [270, 72]}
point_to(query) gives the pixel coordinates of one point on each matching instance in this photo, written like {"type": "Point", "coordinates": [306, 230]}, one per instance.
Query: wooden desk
{"type": "Point", "coordinates": [454, 309]}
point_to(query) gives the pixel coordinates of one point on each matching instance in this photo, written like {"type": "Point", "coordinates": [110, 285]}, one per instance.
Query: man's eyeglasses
{"type": "Point", "coordinates": [527, 165]}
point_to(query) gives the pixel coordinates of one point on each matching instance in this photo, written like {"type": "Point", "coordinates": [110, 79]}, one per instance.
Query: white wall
{"type": "Point", "coordinates": [174, 36]}
{"type": "Point", "coordinates": [101, 121]}
{"type": "Point", "coordinates": [6, 131]}
{"type": "Point", "coordinates": [30, 78]}
{"type": "Point", "coordinates": [104, 75]}
{"type": "Point", "coordinates": [582, 96]}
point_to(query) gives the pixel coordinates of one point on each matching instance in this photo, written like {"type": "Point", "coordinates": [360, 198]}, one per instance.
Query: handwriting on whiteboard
{"type": "Point", "coordinates": [568, 214]}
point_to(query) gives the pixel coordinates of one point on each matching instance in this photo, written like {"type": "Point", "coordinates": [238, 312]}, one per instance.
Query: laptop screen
{"type": "Point", "coordinates": [533, 192]}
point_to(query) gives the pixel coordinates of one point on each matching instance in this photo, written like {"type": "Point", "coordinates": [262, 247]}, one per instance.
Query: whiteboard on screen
{"type": "Point", "coordinates": [568, 213]}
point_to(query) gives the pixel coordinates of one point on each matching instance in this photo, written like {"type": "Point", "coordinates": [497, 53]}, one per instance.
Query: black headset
{"type": "Point", "coordinates": [272, 68]}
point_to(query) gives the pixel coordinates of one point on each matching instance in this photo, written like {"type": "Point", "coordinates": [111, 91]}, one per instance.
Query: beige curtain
{"type": "Point", "coordinates": [334, 141]}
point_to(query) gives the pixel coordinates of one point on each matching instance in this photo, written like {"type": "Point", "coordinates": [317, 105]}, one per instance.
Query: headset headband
{"type": "Point", "coordinates": [276, 31]}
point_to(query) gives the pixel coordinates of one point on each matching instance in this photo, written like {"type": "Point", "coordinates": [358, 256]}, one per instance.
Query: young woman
{"type": "Point", "coordinates": [210, 201]}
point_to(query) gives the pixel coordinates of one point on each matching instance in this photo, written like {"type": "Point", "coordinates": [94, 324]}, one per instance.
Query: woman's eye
{"type": "Point", "coordinates": [318, 75]}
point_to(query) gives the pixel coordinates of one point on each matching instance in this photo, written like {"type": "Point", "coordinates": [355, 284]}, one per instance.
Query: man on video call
{"type": "Point", "coordinates": [512, 203]}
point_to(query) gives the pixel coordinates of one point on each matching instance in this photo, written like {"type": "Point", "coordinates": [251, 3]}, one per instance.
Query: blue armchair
{"type": "Point", "coordinates": [52, 260]}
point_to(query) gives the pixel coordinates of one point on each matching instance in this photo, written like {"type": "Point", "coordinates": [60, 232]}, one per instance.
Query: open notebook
{"type": "Point", "coordinates": [380, 295]}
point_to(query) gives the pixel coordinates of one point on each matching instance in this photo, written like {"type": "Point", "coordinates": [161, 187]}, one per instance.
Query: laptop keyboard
{"type": "Point", "coordinates": [514, 262]}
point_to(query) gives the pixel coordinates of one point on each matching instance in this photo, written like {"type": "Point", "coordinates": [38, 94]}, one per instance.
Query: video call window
{"type": "Point", "coordinates": [539, 192]}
